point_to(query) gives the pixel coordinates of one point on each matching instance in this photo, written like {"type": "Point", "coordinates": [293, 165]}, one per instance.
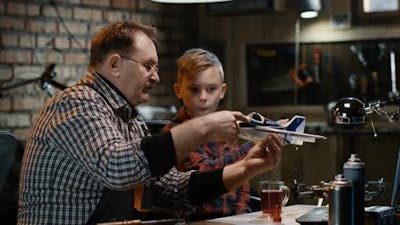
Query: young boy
{"type": "Point", "coordinates": [200, 85]}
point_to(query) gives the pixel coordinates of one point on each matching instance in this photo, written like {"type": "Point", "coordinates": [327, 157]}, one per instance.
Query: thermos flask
{"type": "Point", "coordinates": [353, 171]}
{"type": "Point", "coordinates": [339, 197]}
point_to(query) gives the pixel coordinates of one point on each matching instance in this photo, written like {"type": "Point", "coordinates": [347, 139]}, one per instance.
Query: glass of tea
{"type": "Point", "coordinates": [274, 195]}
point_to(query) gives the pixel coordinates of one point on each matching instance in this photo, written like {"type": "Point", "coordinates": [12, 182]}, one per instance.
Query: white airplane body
{"type": "Point", "coordinates": [292, 132]}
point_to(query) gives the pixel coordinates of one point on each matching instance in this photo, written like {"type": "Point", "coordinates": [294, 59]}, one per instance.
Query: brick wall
{"type": "Point", "coordinates": [35, 33]}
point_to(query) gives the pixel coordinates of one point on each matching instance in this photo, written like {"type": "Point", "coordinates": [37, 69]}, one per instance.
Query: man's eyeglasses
{"type": "Point", "coordinates": [149, 67]}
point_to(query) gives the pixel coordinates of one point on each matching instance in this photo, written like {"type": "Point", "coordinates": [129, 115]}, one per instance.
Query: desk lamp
{"type": "Point", "coordinates": [352, 112]}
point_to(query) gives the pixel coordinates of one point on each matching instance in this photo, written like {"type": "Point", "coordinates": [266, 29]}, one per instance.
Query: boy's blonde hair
{"type": "Point", "coordinates": [195, 60]}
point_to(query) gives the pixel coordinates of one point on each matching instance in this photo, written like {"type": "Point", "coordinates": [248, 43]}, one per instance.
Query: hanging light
{"type": "Point", "coordinates": [310, 8]}
{"type": "Point", "coordinates": [189, 1]}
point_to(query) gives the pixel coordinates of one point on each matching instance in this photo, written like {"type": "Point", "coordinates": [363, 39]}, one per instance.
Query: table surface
{"type": "Point", "coordinates": [289, 216]}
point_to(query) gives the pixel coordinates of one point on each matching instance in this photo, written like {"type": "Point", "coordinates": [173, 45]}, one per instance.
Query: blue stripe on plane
{"type": "Point", "coordinates": [295, 124]}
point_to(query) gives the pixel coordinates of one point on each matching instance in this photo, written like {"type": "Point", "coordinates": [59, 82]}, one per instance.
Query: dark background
{"type": "Point", "coordinates": [359, 68]}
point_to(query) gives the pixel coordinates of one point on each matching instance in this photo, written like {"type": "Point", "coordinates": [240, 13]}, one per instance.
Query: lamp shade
{"type": "Point", "coordinates": [348, 111]}
{"type": "Point", "coordinates": [310, 8]}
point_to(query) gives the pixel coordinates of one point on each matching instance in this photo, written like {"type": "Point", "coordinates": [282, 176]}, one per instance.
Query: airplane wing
{"type": "Point", "coordinates": [259, 133]}
{"type": "Point", "coordinates": [287, 132]}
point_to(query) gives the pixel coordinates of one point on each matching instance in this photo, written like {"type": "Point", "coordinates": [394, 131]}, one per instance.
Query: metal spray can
{"type": "Point", "coordinates": [353, 171]}
{"type": "Point", "coordinates": [339, 197]}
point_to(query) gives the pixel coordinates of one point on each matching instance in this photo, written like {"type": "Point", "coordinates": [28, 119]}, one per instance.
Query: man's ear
{"type": "Point", "coordinates": [114, 62]}
{"type": "Point", "coordinates": [177, 89]}
{"type": "Point", "coordinates": [223, 91]}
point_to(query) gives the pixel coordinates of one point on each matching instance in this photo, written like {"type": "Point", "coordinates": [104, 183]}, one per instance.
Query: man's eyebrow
{"type": "Point", "coordinates": [151, 60]}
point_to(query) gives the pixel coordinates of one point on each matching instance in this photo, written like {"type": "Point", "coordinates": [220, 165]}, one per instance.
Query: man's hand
{"type": "Point", "coordinates": [218, 126]}
{"type": "Point", "coordinates": [222, 125]}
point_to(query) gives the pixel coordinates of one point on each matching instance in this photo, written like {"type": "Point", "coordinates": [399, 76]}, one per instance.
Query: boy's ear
{"type": "Point", "coordinates": [223, 91]}
{"type": "Point", "coordinates": [177, 89]}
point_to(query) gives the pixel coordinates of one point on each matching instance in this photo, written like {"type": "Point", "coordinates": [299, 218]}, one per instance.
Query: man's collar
{"type": "Point", "coordinates": [113, 87]}
{"type": "Point", "coordinates": [117, 100]}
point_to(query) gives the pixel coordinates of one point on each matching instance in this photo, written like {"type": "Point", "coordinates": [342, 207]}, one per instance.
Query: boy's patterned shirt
{"type": "Point", "coordinates": [214, 155]}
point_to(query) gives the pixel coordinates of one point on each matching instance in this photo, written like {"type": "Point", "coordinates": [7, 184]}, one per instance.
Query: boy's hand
{"type": "Point", "coordinates": [266, 155]}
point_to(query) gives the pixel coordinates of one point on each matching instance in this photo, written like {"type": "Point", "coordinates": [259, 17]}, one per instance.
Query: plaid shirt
{"type": "Point", "coordinates": [209, 156]}
{"type": "Point", "coordinates": [78, 147]}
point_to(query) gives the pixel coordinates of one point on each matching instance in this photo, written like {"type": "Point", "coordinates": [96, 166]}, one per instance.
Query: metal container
{"type": "Point", "coordinates": [339, 196]}
{"type": "Point", "coordinates": [353, 171]}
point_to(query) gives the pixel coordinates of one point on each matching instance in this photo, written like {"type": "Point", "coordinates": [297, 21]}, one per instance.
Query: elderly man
{"type": "Point", "coordinates": [88, 148]}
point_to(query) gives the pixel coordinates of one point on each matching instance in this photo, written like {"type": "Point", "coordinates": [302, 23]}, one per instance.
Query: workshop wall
{"type": "Point", "coordinates": [34, 34]}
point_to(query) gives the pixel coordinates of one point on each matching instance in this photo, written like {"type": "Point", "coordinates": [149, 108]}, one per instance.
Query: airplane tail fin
{"type": "Point", "coordinates": [296, 124]}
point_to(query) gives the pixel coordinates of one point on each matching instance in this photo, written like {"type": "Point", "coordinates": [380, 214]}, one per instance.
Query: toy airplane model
{"type": "Point", "coordinates": [292, 132]}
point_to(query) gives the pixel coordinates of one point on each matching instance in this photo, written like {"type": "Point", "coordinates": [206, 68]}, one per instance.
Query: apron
{"type": "Point", "coordinates": [114, 206]}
